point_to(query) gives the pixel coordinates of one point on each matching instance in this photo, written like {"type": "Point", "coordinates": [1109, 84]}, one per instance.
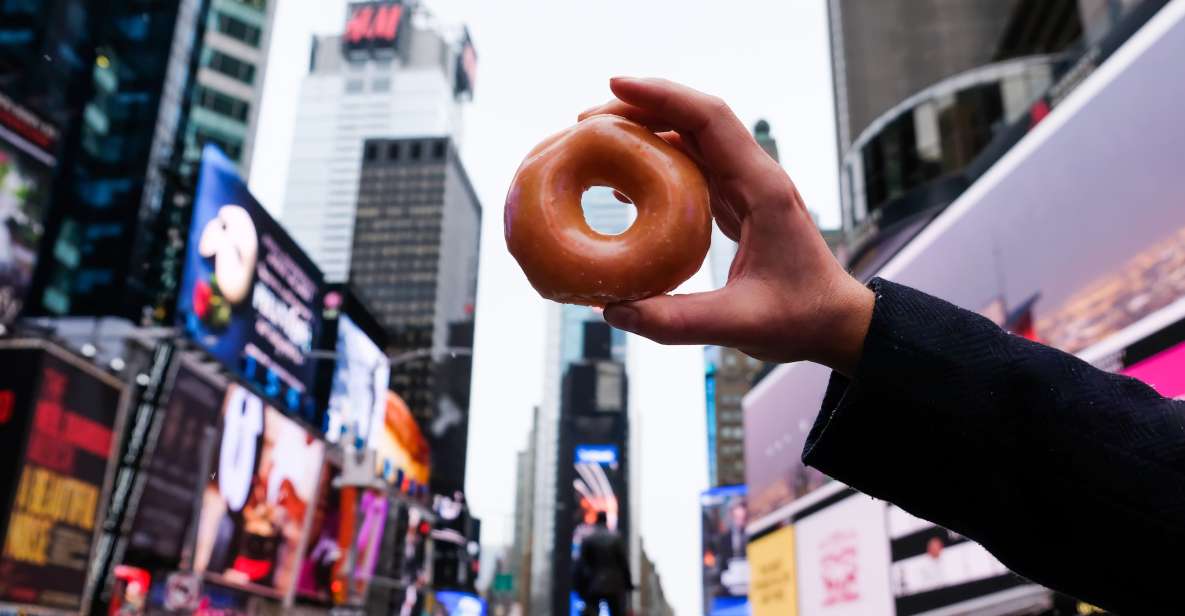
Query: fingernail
{"type": "Point", "coordinates": [622, 317]}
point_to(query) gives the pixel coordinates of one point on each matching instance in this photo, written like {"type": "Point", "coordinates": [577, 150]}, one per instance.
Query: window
{"type": "Point", "coordinates": [232, 67]}
{"type": "Point", "coordinates": [223, 104]}
{"type": "Point", "coordinates": [354, 86]}
{"type": "Point", "coordinates": [238, 29]}
{"type": "Point", "coordinates": [382, 84]}
{"type": "Point", "coordinates": [416, 150]}
{"type": "Point", "coordinates": [393, 151]}
{"type": "Point", "coordinates": [438, 150]}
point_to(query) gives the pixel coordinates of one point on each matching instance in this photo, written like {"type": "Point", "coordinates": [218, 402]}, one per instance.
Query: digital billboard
{"type": "Point", "coordinates": [321, 578]}
{"type": "Point", "coordinates": [779, 413]}
{"type": "Point", "coordinates": [772, 590]}
{"type": "Point", "coordinates": [27, 146]}
{"type": "Point", "coordinates": [1158, 359]}
{"type": "Point", "coordinates": [360, 377]}
{"type": "Point", "coordinates": [725, 566]}
{"type": "Point", "coordinates": [934, 568]}
{"type": "Point", "coordinates": [257, 498]}
{"type": "Point", "coordinates": [66, 427]}
{"type": "Point", "coordinates": [842, 559]}
{"type": "Point", "coordinates": [371, 519]}
{"type": "Point", "coordinates": [401, 452]}
{"type": "Point", "coordinates": [598, 487]}
{"type": "Point", "coordinates": [460, 603]}
{"type": "Point", "coordinates": [466, 66]}
{"type": "Point", "coordinates": [172, 472]}
{"type": "Point", "coordinates": [249, 296]}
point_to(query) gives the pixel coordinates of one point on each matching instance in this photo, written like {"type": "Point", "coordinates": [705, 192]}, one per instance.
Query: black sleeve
{"type": "Point", "coordinates": [1072, 476]}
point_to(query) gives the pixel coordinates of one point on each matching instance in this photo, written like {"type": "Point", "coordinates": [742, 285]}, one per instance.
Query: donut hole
{"type": "Point", "coordinates": [605, 213]}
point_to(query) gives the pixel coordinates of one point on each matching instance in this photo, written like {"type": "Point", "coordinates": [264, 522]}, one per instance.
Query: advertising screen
{"type": "Point", "coordinates": [401, 451]}
{"type": "Point", "coordinates": [1159, 360]}
{"type": "Point", "coordinates": [54, 510]}
{"type": "Point", "coordinates": [359, 394]}
{"type": "Point", "coordinates": [778, 416]}
{"type": "Point", "coordinates": [933, 568]}
{"type": "Point", "coordinates": [172, 473]}
{"type": "Point", "coordinates": [598, 487]}
{"type": "Point", "coordinates": [249, 296]}
{"type": "Point", "coordinates": [26, 162]}
{"type": "Point", "coordinates": [371, 518]}
{"type": "Point", "coordinates": [772, 590]}
{"type": "Point", "coordinates": [321, 578]}
{"type": "Point", "coordinates": [460, 603]}
{"type": "Point", "coordinates": [725, 567]}
{"type": "Point", "coordinates": [258, 496]}
{"type": "Point", "coordinates": [842, 559]}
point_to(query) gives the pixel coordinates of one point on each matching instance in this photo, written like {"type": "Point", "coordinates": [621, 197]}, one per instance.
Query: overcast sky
{"type": "Point", "coordinates": [540, 63]}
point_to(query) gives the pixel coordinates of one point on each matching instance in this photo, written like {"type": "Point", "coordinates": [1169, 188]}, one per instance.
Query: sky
{"type": "Point", "coordinates": [540, 63]}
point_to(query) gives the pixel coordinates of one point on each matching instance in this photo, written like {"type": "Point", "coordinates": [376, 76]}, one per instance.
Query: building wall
{"type": "Point", "coordinates": [343, 101]}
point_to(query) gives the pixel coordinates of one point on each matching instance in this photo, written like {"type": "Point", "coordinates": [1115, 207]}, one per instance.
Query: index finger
{"type": "Point", "coordinates": [728, 148]}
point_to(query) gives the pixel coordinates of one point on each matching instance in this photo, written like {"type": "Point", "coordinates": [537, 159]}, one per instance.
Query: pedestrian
{"type": "Point", "coordinates": [1048, 462]}
{"type": "Point", "coordinates": [603, 571]}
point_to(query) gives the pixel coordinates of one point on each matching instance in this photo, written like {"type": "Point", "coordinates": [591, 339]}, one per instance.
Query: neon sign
{"type": "Point", "coordinates": [373, 23]}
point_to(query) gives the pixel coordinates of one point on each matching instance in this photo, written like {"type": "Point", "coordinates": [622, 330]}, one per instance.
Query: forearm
{"type": "Point", "coordinates": [1045, 460]}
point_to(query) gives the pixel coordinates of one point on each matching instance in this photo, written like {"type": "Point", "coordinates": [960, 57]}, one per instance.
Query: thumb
{"type": "Point", "coordinates": [696, 318]}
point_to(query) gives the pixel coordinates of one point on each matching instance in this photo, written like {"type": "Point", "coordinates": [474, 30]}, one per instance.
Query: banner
{"type": "Point", "coordinates": [249, 295]}
{"type": "Point", "coordinates": [53, 513]}
{"type": "Point", "coordinates": [772, 590]}
{"type": "Point", "coordinates": [258, 496]}
{"type": "Point", "coordinates": [321, 577]}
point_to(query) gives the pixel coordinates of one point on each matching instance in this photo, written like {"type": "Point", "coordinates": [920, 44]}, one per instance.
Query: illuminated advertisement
{"type": "Point", "coordinates": [598, 487]}
{"type": "Point", "coordinates": [1159, 360]}
{"type": "Point", "coordinates": [401, 451]}
{"type": "Point", "coordinates": [372, 26]}
{"type": "Point", "coordinates": [460, 604]}
{"type": "Point", "coordinates": [371, 517]}
{"type": "Point", "coordinates": [26, 160]}
{"type": "Point", "coordinates": [466, 66]}
{"type": "Point", "coordinates": [725, 567]}
{"type": "Point", "coordinates": [66, 427]}
{"type": "Point", "coordinates": [321, 579]}
{"type": "Point", "coordinates": [934, 568]}
{"type": "Point", "coordinates": [842, 559]}
{"type": "Point", "coordinates": [172, 473]}
{"type": "Point", "coordinates": [255, 503]}
{"type": "Point", "coordinates": [359, 394]}
{"type": "Point", "coordinates": [249, 296]}
{"type": "Point", "coordinates": [778, 415]}
{"type": "Point", "coordinates": [772, 590]}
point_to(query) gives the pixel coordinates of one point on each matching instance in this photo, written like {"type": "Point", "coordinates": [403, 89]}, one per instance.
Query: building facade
{"type": "Point", "coordinates": [386, 76]}
{"type": "Point", "coordinates": [564, 344]}
{"type": "Point", "coordinates": [414, 262]}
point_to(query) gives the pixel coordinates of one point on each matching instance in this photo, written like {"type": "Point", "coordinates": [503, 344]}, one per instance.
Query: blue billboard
{"type": "Point", "coordinates": [460, 603]}
{"type": "Point", "coordinates": [725, 565]}
{"type": "Point", "coordinates": [249, 296]}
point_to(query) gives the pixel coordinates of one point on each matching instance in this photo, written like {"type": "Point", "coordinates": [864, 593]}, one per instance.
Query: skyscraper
{"type": "Point", "coordinates": [385, 76]}
{"type": "Point", "coordinates": [565, 345]}
{"type": "Point", "coordinates": [229, 80]}
{"type": "Point", "coordinates": [414, 262]}
{"type": "Point", "coordinates": [129, 67]}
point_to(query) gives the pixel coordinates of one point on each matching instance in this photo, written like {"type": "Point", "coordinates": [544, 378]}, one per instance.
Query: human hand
{"type": "Point", "coordinates": [787, 298]}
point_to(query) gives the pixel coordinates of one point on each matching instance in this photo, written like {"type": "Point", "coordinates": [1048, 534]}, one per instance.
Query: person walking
{"type": "Point", "coordinates": [603, 571]}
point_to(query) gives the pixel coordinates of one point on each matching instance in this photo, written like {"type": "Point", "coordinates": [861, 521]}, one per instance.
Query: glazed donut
{"type": "Point", "coordinates": [565, 259]}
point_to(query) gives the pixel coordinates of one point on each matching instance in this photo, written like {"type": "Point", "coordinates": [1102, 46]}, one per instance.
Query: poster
{"type": "Point", "coordinates": [173, 472]}
{"type": "Point", "coordinates": [772, 590]}
{"type": "Point", "coordinates": [598, 487]}
{"type": "Point", "coordinates": [255, 504]}
{"type": "Point", "coordinates": [321, 565]}
{"type": "Point", "coordinates": [842, 559]}
{"type": "Point", "coordinates": [55, 507]}
{"type": "Point", "coordinates": [249, 296]}
{"type": "Point", "coordinates": [725, 566]}
{"type": "Point", "coordinates": [360, 377]}
{"type": "Point", "coordinates": [401, 451]}
{"type": "Point", "coordinates": [26, 162]}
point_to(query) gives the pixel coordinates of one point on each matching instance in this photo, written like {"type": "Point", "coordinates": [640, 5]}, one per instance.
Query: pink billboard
{"type": "Point", "coordinates": [1164, 371]}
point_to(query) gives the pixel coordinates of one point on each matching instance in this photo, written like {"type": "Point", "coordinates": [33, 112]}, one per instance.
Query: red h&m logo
{"type": "Point", "coordinates": [373, 23]}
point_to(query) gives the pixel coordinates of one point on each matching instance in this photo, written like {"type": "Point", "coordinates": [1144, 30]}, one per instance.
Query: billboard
{"type": "Point", "coordinates": [598, 486]}
{"type": "Point", "coordinates": [26, 164]}
{"type": "Point", "coordinates": [772, 590]}
{"type": "Point", "coordinates": [452, 603]}
{"type": "Point", "coordinates": [934, 568]}
{"type": "Point", "coordinates": [725, 566]}
{"type": "Point", "coordinates": [401, 451]}
{"type": "Point", "coordinates": [173, 473]}
{"type": "Point", "coordinates": [466, 66]}
{"type": "Point", "coordinates": [373, 26]}
{"type": "Point", "coordinates": [321, 579]}
{"type": "Point", "coordinates": [249, 296]}
{"type": "Point", "coordinates": [842, 559]}
{"type": "Point", "coordinates": [371, 518]}
{"type": "Point", "coordinates": [779, 413]}
{"type": "Point", "coordinates": [359, 394]}
{"type": "Point", "coordinates": [64, 415]}
{"type": "Point", "coordinates": [257, 498]}
{"type": "Point", "coordinates": [1159, 360]}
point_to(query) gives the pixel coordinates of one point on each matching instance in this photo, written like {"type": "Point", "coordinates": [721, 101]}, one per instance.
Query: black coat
{"type": "Point", "coordinates": [604, 566]}
{"type": "Point", "coordinates": [1072, 476]}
